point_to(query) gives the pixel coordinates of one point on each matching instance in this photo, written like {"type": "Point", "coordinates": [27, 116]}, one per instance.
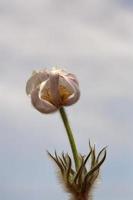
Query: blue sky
{"type": "Point", "coordinates": [94, 40]}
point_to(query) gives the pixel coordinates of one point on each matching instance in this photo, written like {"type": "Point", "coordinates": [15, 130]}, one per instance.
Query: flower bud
{"type": "Point", "coordinates": [50, 90]}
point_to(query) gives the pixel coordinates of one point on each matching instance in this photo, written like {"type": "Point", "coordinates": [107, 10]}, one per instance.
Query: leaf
{"type": "Point", "coordinates": [62, 163]}
{"type": "Point", "coordinates": [100, 153]}
{"type": "Point", "coordinates": [69, 168]}
{"type": "Point", "coordinates": [95, 168]}
{"type": "Point", "coordinates": [81, 167]}
{"type": "Point", "coordinates": [93, 157]}
{"type": "Point", "coordinates": [57, 162]}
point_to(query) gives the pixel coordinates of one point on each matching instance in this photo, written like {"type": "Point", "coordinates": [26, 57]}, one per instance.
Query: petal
{"type": "Point", "coordinates": [44, 86]}
{"type": "Point", "coordinates": [75, 95]}
{"type": "Point", "coordinates": [63, 81]}
{"type": "Point", "coordinates": [35, 81]}
{"type": "Point", "coordinates": [73, 77]}
{"type": "Point", "coordinates": [54, 87]}
{"type": "Point", "coordinates": [41, 105]}
{"type": "Point", "coordinates": [49, 90]}
{"type": "Point", "coordinates": [68, 75]}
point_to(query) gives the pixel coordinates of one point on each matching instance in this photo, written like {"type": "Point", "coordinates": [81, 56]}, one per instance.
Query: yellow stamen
{"type": "Point", "coordinates": [63, 92]}
{"type": "Point", "coordinates": [47, 95]}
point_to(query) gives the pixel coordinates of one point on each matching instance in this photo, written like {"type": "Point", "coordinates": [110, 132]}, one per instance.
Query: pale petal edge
{"type": "Point", "coordinates": [75, 96]}
{"type": "Point", "coordinates": [34, 81]}
{"type": "Point", "coordinates": [42, 106]}
{"type": "Point", "coordinates": [54, 87]}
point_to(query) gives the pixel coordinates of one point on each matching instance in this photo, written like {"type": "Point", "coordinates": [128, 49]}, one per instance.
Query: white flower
{"type": "Point", "coordinates": [50, 90]}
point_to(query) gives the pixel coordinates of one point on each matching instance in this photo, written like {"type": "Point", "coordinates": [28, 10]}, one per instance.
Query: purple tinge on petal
{"type": "Point", "coordinates": [75, 95]}
{"type": "Point", "coordinates": [35, 81]}
{"type": "Point", "coordinates": [54, 88]}
{"type": "Point", "coordinates": [64, 81]}
{"type": "Point", "coordinates": [44, 87]}
{"type": "Point", "coordinates": [69, 76]}
{"type": "Point", "coordinates": [41, 105]}
{"type": "Point", "coordinates": [72, 77]}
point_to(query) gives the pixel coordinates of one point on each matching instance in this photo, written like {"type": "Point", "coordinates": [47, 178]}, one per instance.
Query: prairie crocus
{"type": "Point", "coordinates": [50, 90]}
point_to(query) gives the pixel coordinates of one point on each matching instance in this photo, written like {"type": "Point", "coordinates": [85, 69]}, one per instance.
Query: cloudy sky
{"type": "Point", "coordinates": [92, 39]}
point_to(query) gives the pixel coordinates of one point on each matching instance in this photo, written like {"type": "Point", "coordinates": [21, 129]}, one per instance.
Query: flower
{"type": "Point", "coordinates": [50, 90]}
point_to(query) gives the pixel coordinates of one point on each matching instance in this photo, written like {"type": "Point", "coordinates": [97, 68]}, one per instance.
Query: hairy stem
{"type": "Point", "coordinates": [81, 197]}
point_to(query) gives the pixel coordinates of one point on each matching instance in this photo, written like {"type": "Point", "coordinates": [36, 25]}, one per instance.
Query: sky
{"type": "Point", "coordinates": [93, 40]}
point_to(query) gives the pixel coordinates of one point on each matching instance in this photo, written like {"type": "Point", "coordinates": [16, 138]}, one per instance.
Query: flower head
{"type": "Point", "coordinates": [50, 90]}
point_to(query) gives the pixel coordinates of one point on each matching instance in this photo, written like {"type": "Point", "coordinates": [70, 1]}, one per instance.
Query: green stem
{"type": "Point", "coordinates": [70, 137]}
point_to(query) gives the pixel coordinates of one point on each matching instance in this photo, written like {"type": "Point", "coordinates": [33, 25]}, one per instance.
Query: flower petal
{"type": "Point", "coordinates": [49, 90]}
{"type": "Point", "coordinates": [64, 82]}
{"type": "Point", "coordinates": [72, 77]}
{"type": "Point", "coordinates": [35, 80]}
{"type": "Point", "coordinates": [54, 87]}
{"type": "Point", "coordinates": [75, 95]}
{"type": "Point", "coordinates": [41, 105]}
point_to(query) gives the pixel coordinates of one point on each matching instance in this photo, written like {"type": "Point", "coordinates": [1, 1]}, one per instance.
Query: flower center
{"type": "Point", "coordinates": [47, 95]}
{"type": "Point", "coordinates": [63, 92]}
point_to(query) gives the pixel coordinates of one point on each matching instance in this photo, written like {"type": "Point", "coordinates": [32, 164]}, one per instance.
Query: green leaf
{"type": "Point", "coordinates": [57, 162]}
{"type": "Point", "coordinates": [79, 172]}
{"type": "Point", "coordinates": [95, 168]}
